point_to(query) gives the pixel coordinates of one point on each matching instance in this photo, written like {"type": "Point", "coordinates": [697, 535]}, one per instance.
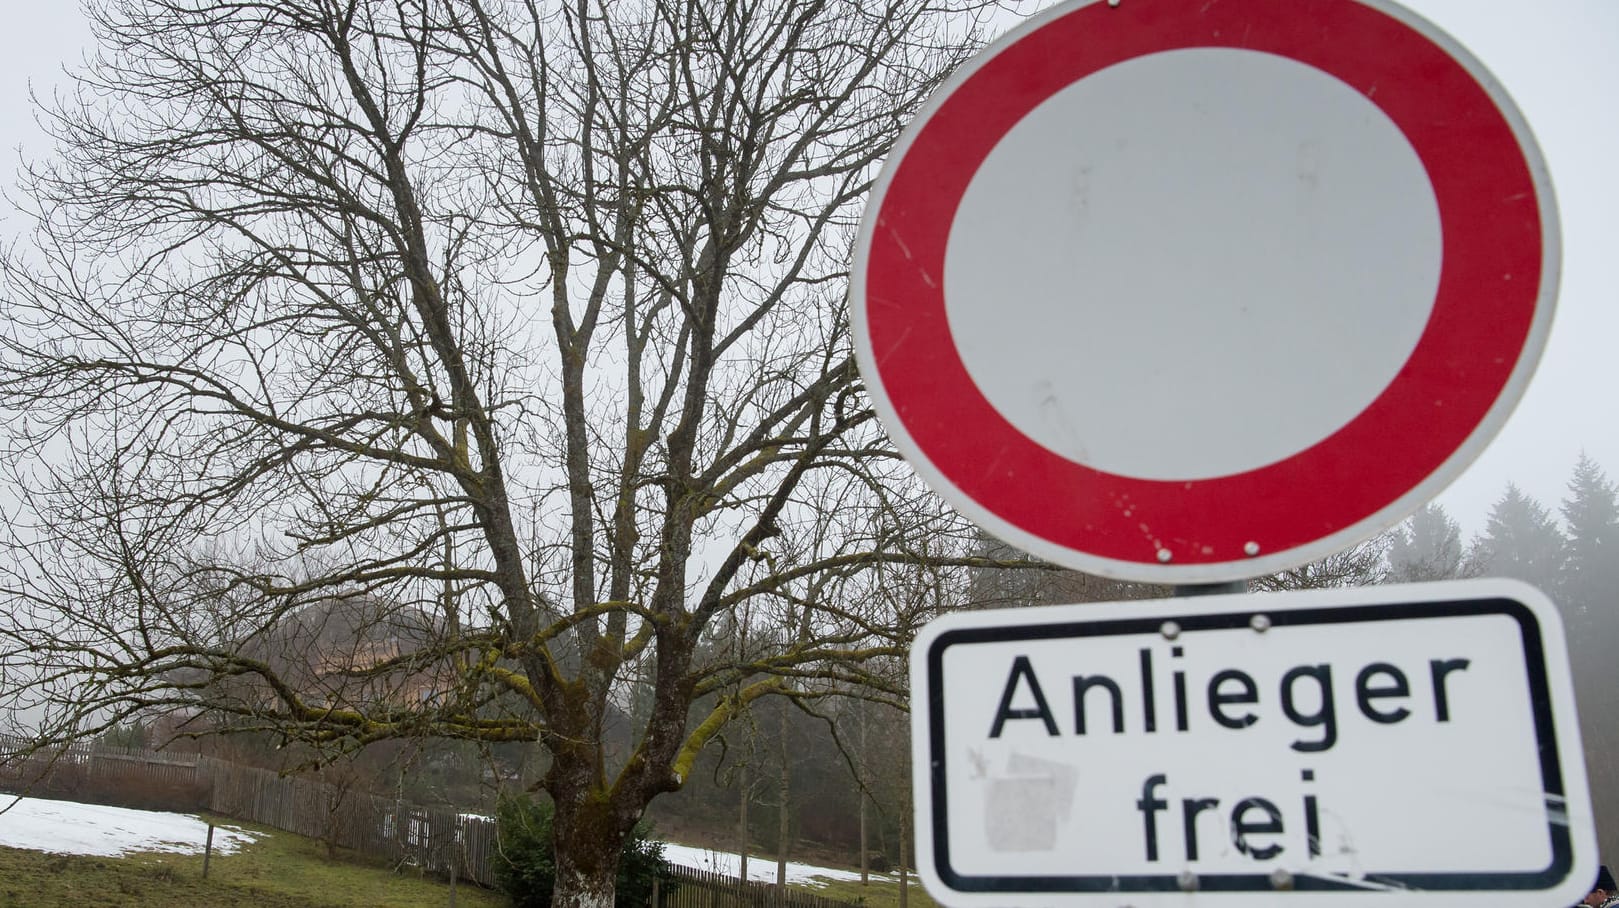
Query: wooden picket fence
{"type": "Point", "coordinates": [686, 887]}
{"type": "Point", "coordinates": [434, 840]}
{"type": "Point", "coordinates": [429, 839]}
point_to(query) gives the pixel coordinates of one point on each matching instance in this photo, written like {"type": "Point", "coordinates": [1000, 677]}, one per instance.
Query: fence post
{"type": "Point", "coordinates": [208, 851]}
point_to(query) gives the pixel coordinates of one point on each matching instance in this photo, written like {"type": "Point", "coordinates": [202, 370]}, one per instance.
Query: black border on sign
{"type": "Point", "coordinates": [1540, 701]}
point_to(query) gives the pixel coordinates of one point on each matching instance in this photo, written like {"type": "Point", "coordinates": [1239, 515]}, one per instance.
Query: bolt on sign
{"type": "Point", "coordinates": [1404, 745]}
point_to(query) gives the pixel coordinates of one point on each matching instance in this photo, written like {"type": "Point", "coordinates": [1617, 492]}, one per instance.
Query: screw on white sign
{"type": "Point", "coordinates": [1401, 745]}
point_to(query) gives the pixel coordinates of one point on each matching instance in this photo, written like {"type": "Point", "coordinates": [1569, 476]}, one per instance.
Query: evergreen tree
{"type": "Point", "coordinates": [1426, 547]}
{"type": "Point", "coordinates": [1521, 540]}
{"type": "Point", "coordinates": [1591, 571]}
{"type": "Point", "coordinates": [1589, 601]}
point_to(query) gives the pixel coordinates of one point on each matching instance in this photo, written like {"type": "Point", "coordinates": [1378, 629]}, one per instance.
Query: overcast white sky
{"type": "Point", "coordinates": [1559, 59]}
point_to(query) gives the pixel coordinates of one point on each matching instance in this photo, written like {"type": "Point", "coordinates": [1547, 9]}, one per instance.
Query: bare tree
{"type": "Point", "coordinates": [516, 320]}
{"type": "Point", "coordinates": [1362, 564]}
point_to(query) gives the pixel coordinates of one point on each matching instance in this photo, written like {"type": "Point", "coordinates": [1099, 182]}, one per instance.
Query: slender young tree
{"type": "Point", "coordinates": [517, 319]}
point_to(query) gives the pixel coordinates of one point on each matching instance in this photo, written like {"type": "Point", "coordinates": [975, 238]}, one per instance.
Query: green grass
{"type": "Point", "coordinates": [280, 870]}
{"type": "Point", "coordinates": [881, 892]}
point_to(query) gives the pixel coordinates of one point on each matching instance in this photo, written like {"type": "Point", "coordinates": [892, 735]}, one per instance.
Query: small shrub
{"type": "Point", "coordinates": [525, 867]}
{"type": "Point", "coordinates": [525, 864]}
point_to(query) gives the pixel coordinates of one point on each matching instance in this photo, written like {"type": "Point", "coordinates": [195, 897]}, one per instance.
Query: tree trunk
{"type": "Point", "coordinates": [742, 827]}
{"type": "Point", "coordinates": [865, 869]}
{"type": "Point", "coordinates": [577, 888]}
{"type": "Point", "coordinates": [783, 793]}
{"type": "Point", "coordinates": [587, 837]}
{"type": "Point", "coordinates": [584, 880]}
{"type": "Point", "coordinates": [860, 793]}
{"type": "Point", "coordinates": [905, 855]}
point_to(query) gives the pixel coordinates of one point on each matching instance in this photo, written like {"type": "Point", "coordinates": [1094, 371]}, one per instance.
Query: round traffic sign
{"type": "Point", "coordinates": [1186, 292]}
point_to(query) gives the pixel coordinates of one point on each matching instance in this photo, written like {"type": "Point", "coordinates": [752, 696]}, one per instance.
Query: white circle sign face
{"type": "Point", "coordinates": [1197, 218]}
{"type": "Point", "coordinates": [1188, 292]}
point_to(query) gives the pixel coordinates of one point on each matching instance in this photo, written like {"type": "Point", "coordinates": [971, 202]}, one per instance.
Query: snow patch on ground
{"type": "Point", "coordinates": [760, 869]}
{"type": "Point", "coordinates": [66, 827]}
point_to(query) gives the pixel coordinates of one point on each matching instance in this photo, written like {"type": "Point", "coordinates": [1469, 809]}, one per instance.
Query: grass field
{"type": "Point", "coordinates": [280, 870]}
{"type": "Point", "coordinates": [879, 893]}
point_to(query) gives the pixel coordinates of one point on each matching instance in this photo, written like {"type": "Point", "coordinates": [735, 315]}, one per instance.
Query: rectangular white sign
{"type": "Point", "coordinates": [1383, 746]}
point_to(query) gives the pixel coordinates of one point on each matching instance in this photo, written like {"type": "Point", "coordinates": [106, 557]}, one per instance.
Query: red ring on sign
{"type": "Point", "coordinates": [1490, 278]}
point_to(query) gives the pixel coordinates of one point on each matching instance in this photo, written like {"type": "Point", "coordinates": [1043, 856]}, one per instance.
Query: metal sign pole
{"type": "Point", "coordinates": [1210, 589]}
